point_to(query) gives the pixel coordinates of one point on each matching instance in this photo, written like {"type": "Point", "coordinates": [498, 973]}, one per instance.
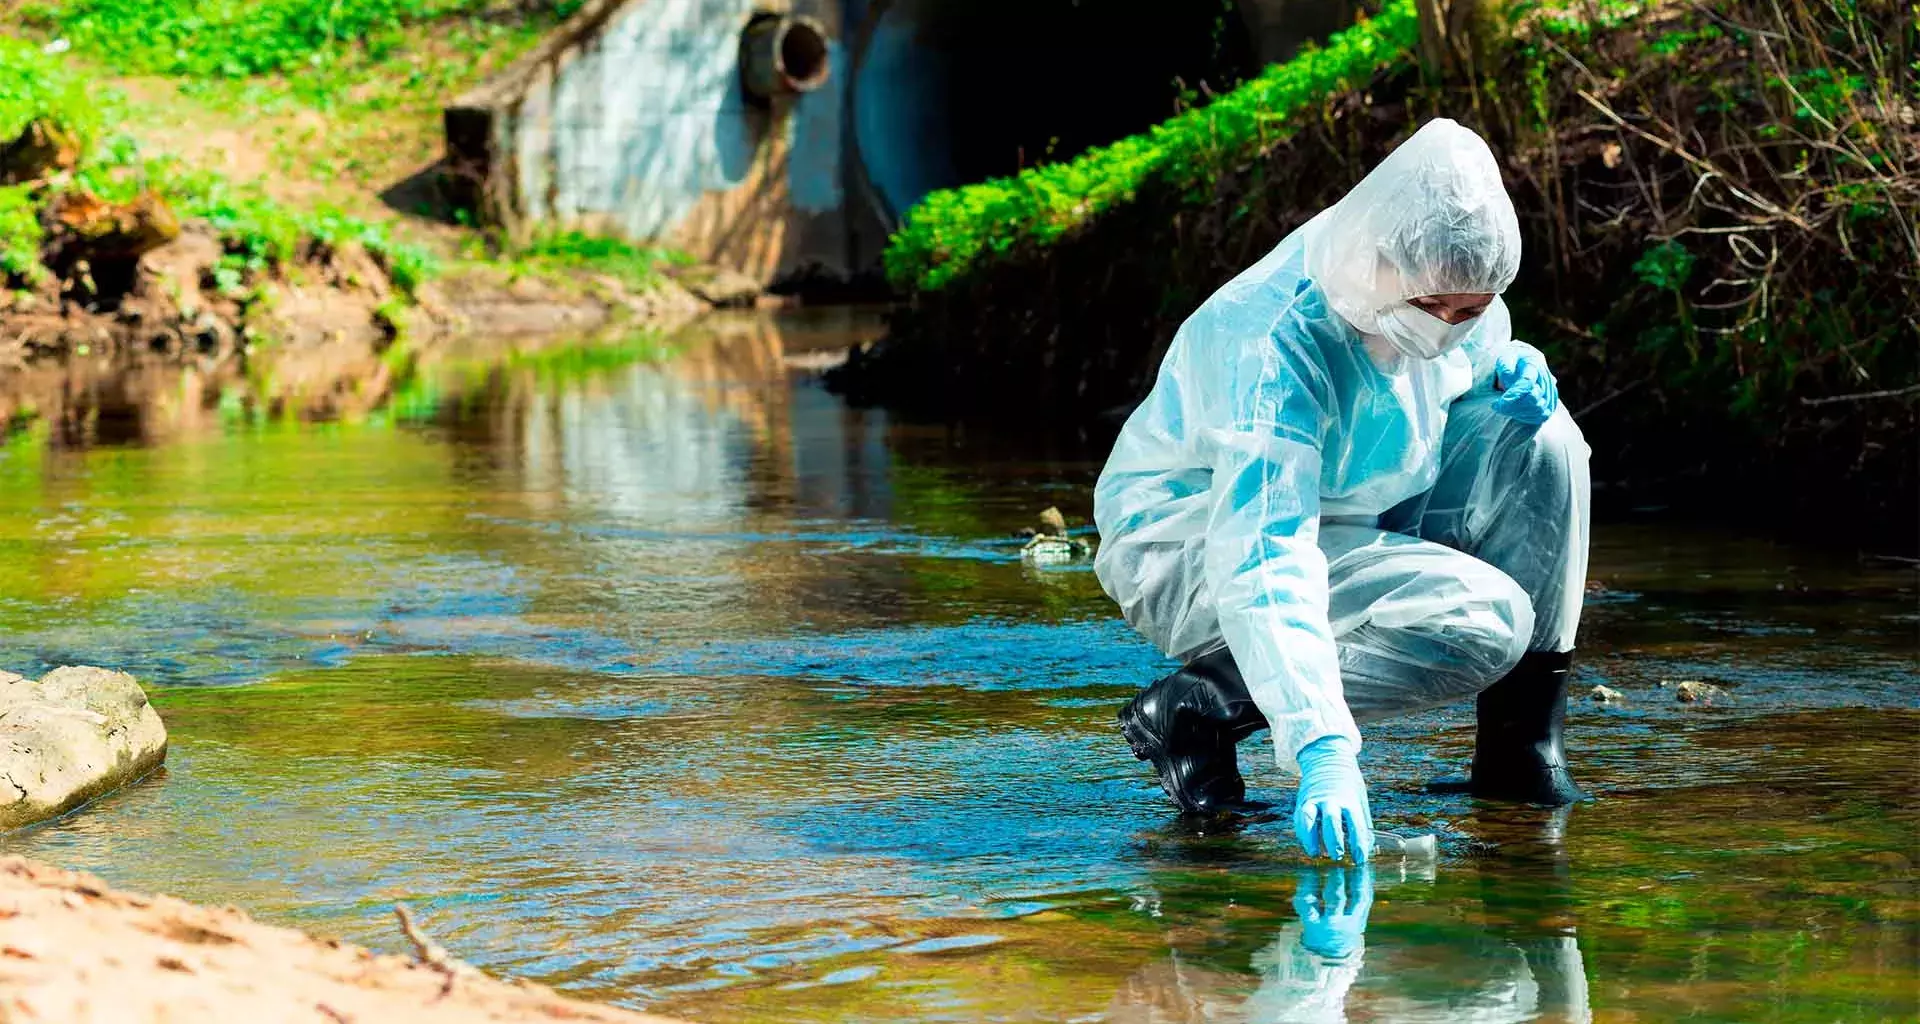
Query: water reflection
{"type": "Point", "coordinates": [1511, 954]}
{"type": "Point", "coordinates": [676, 682]}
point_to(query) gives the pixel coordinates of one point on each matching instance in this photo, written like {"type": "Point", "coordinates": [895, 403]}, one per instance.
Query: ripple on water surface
{"type": "Point", "coordinates": [685, 686]}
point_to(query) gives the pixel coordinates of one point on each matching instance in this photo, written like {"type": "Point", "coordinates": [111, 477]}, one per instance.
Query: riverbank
{"type": "Point", "coordinates": [122, 229]}
{"type": "Point", "coordinates": [73, 948]}
{"type": "Point", "coordinates": [1717, 206]}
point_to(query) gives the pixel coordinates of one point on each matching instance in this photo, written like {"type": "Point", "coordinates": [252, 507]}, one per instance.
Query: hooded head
{"type": "Point", "coordinates": [1432, 219]}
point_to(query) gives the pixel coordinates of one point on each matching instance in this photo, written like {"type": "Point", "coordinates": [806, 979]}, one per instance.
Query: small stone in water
{"type": "Point", "coordinates": [1692, 692]}
{"type": "Point", "coordinates": [1606, 695]}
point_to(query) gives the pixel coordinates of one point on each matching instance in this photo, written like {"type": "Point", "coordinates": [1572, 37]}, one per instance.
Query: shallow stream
{"type": "Point", "coordinates": [679, 684]}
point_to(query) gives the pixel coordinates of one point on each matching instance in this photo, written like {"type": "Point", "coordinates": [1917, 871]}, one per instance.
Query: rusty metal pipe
{"type": "Point", "coordinates": [783, 55]}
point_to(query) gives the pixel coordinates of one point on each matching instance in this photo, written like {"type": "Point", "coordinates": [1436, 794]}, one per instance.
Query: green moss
{"type": "Point", "coordinates": [954, 230]}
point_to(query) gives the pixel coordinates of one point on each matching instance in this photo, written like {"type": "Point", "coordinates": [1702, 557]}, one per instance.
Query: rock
{"type": "Point", "coordinates": [73, 735]}
{"type": "Point", "coordinates": [1050, 550]}
{"type": "Point", "coordinates": [94, 229]}
{"type": "Point", "coordinates": [176, 271]}
{"type": "Point", "coordinates": [1051, 543]}
{"type": "Point", "coordinates": [720, 286]}
{"type": "Point", "coordinates": [41, 150]}
{"type": "Point", "coordinates": [1695, 692]}
{"type": "Point", "coordinates": [1606, 695]}
{"type": "Point", "coordinates": [94, 246]}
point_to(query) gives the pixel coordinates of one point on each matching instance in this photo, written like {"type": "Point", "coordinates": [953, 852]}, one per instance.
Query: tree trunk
{"type": "Point", "coordinates": [1458, 38]}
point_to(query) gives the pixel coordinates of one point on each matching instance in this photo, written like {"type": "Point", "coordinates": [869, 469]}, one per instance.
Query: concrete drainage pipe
{"type": "Point", "coordinates": [783, 55]}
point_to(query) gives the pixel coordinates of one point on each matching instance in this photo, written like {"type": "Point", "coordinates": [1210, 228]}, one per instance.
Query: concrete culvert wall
{"type": "Point", "coordinates": [786, 139]}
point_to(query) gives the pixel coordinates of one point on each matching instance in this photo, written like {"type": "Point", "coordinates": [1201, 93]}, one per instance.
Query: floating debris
{"type": "Point", "coordinates": [1606, 695]}
{"type": "Point", "coordinates": [1051, 542]}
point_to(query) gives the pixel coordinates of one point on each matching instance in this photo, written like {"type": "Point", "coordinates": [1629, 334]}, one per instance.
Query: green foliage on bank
{"type": "Point", "coordinates": [238, 38]}
{"type": "Point", "coordinates": [375, 72]}
{"type": "Point", "coordinates": [34, 84]}
{"type": "Point", "coordinates": [258, 233]}
{"type": "Point", "coordinates": [954, 230]}
{"type": "Point", "coordinates": [20, 235]}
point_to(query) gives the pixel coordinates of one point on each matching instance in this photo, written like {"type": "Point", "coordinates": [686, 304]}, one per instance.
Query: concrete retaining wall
{"type": "Point", "coordinates": [633, 121]}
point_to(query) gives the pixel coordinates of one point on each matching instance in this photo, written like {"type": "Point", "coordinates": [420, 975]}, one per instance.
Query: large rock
{"type": "Point", "coordinates": [71, 736]}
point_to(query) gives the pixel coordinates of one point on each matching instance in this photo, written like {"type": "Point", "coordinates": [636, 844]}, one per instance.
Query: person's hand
{"type": "Point", "coordinates": [1330, 813]}
{"type": "Point", "coordinates": [1333, 905]}
{"type": "Point", "coordinates": [1528, 392]}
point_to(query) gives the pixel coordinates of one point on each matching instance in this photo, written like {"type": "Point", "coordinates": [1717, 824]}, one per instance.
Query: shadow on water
{"type": "Point", "coordinates": [676, 682]}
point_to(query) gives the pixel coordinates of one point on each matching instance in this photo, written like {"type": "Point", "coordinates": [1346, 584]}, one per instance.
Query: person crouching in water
{"type": "Point", "coordinates": [1351, 494]}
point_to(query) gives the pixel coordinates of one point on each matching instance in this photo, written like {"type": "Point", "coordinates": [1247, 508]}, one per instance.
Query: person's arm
{"type": "Point", "coordinates": [1268, 579]}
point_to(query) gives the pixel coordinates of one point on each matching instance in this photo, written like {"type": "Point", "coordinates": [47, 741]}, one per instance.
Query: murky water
{"type": "Point", "coordinates": [681, 685]}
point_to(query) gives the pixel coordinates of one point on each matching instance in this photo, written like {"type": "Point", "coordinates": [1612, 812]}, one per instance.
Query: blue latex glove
{"type": "Point", "coordinates": [1333, 906]}
{"type": "Point", "coordinates": [1528, 391]}
{"type": "Point", "coordinates": [1330, 814]}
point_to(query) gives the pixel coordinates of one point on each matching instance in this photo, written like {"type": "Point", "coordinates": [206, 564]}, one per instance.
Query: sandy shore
{"type": "Point", "coordinates": [76, 951]}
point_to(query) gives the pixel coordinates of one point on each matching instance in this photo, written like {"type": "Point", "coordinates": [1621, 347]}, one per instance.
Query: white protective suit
{"type": "Point", "coordinates": [1360, 527]}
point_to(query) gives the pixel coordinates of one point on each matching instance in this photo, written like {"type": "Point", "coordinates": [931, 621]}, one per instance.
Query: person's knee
{"type": "Point", "coordinates": [1558, 448]}
{"type": "Point", "coordinates": [1497, 635]}
{"type": "Point", "coordinates": [1484, 633]}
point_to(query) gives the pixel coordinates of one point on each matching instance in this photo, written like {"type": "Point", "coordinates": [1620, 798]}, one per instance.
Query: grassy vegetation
{"type": "Point", "coordinates": [951, 231]}
{"type": "Point", "coordinates": [317, 39]}
{"type": "Point", "coordinates": [323, 104]}
{"type": "Point", "coordinates": [20, 235]}
{"type": "Point", "coordinates": [258, 233]}
{"type": "Point", "coordinates": [328, 101]}
{"type": "Point", "coordinates": [638, 267]}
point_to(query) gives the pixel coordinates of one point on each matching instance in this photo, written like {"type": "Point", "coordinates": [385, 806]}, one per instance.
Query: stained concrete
{"type": "Point", "coordinates": [632, 120]}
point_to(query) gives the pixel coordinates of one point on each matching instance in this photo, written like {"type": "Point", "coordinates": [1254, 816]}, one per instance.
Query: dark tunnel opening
{"type": "Point", "coordinates": [955, 91]}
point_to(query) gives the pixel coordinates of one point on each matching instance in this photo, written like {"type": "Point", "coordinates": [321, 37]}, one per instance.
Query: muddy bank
{"type": "Point", "coordinates": [74, 949]}
{"type": "Point", "coordinates": [331, 337]}
{"type": "Point", "coordinates": [184, 301]}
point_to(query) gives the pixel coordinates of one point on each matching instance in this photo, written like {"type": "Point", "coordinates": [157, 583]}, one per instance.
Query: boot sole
{"type": "Point", "coordinates": [1559, 790]}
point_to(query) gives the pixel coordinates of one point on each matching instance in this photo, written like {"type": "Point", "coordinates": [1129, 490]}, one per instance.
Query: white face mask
{"type": "Point", "coordinates": [1419, 333]}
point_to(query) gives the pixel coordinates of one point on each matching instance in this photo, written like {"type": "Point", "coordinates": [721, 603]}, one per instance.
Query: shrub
{"type": "Point", "coordinates": [952, 230]}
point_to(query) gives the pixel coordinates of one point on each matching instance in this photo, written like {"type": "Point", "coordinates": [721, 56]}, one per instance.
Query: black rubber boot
{"type": "Point", "coordinates": [1518, 754]}
{"type": "Point", "coordinates": [1187, 724]}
